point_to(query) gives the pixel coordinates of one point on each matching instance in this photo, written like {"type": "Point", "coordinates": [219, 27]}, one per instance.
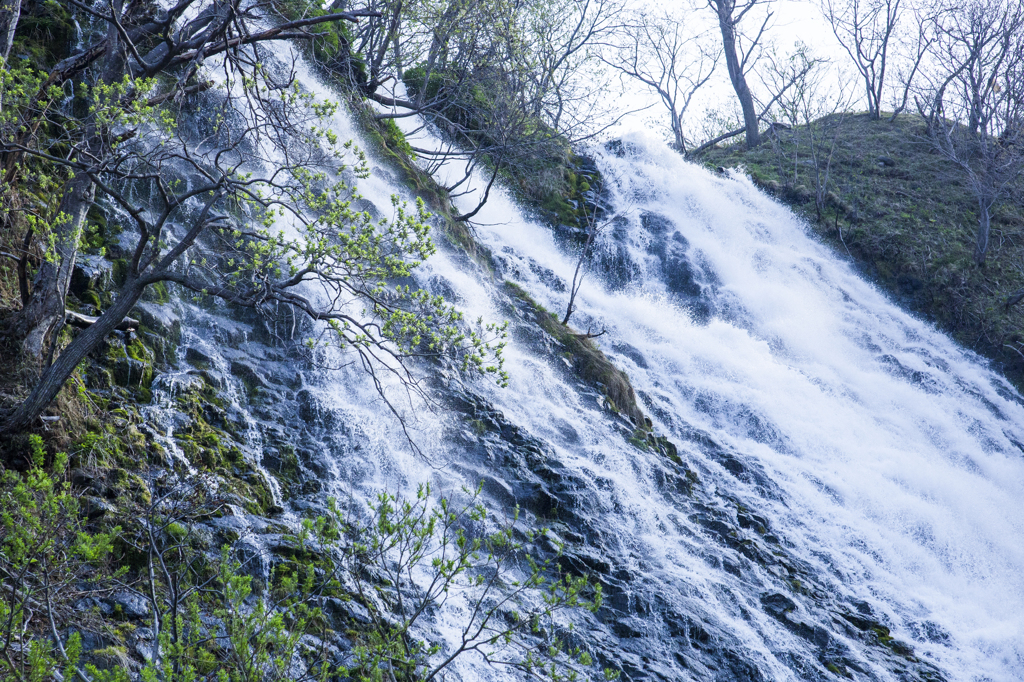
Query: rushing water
{"type": "Point", "coordinates": [891, 459]}
{"type": "Point", "coordinates": [886, 461]}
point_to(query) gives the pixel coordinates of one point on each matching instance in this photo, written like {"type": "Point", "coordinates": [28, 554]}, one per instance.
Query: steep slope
{"type": "Point", "coordinates": [906, 217]}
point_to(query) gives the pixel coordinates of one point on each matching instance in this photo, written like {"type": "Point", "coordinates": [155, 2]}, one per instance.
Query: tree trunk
{"type": "Point", "coordinates": [10, 12]}
{"type": "Point", "coordinates": [984, 225]}
{"type": "Point", "coordinates": [874, 104]}
{"type": "Point", "coordinates": [54, 376]}
{"type": "Point", "coordinates": [739, 81]}
{"type": "Point", "coordinates": [41, 318]}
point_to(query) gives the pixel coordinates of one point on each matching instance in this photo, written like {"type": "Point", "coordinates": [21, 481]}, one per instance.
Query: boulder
{"type": "Point", "coordinates": [131, 605]}
{"type": "Point", "coordinates": [90, 273]}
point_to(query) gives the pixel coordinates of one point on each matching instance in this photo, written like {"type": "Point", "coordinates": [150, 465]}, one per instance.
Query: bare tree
{"type": "Point", "coordinates": [779, 78]}
{"type": "Point", "coordinates": [865, 28]}
{"type": "Point", "coordinates": [503, 84]}
{"type": "Point", "coordinates": [799, 80]}
{"type": "Point", "coordinates": [973, 104]}
{"type": "Point", "coordinates": [657, 51]}
{"type": "Point", "coordinates": [822, 105]}
{"type": "Point", "coordinates": [119, 53]}
{"type": "Point", "coordinates": [740, 53]}
{"type": "Point", "coordinates": [595, 225]}
{"type": "Point", "coordinates": [915, 47]}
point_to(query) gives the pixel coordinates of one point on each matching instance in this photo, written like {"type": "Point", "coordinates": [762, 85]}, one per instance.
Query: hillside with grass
{"type": "Point", "coordinates": [905, 216]}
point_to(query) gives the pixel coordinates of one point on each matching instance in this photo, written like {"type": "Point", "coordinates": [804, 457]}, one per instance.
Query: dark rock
{"type": "Point", "coordinates": [656, 224]}
{"type": "Point", "coordinates": [740, 668]}
{"type": "Point", "coordinates": [90, 640]}
{"type": "Point", "coordinates": [631, 353]}
{"type": "Point", "coordinates": [312, 411]}
{"type": "Point", "coordinates": [88, 479]}
{"type": "Point", "coordinates": [248, 374]}
{"type": "Point", "coordinates": [721, 529]}
{"type": "Point", "coordinates": [777, 605]}
{"type": "Point", "coordinates": [214, 379]}
{"type": "Point", "coordinates": [540, 501]}
{"type": "Point", "coordinates": [628, 628]}
{"type": "Point", "coordinates": [343, 614]}
{"type": "Point", "coordinates": [91, 272]}
{"type": "Point", "coordinates": [131, 605]}
{"type": "Point", "coordinates": [366, 206]}
{"type": "Point", "coordinates": [198, 358]}
{"type": "Point", "coordinates": [584, 561]}
{"type": "Point", "coordinates": [679, 278]}
{"type": "Point", "coordinates": [548, 277]}
{"type": "Point", "coordinates": [161, 319]}
{"type": "Point", "coordinates": [753, 521]}
{"type": "Point", "coordinates": [90, 603]}
{"type": "Point", "coordinates": [95, 507]}
{"type": "Point", "coordinates": [617, 266]}
{"type": "Point", "coordinates": [620, 148]}
{"type": "Point", "coordinates": [253, 560]}
{"type": "Point", "coordinates": [129, 372]}
{"type": "Point", "coordinates": [143, 644]}
{"type": "Point", "coordinates": [316, 461]}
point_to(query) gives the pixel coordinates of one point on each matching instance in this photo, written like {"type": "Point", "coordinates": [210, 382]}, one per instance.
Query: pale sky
{"type": "Point", "coordinates": [793, 21]}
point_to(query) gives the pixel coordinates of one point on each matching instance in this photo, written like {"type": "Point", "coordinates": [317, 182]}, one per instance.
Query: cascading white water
{"type": "Point", "coordinates": [888, 460]}
{"type": "Point", "coordinates": [897, 455]}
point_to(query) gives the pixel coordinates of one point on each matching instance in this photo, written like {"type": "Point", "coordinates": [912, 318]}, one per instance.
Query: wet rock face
{"type": "Point", "coordinates": [651, 630]}
{"type": "Point", "coordinates": [631, 626]}
{"type": "Point", "coordinates": [627, 255]}
{"type": "Point", "coordinates": [648, 628]}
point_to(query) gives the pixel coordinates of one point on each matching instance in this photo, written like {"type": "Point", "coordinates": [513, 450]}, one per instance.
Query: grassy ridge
{"type": "Point", "coordinates": [907, 218]}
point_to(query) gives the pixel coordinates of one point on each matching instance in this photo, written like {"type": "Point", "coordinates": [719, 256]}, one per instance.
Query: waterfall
{"type": "Point", "coordinates": [848, 494]}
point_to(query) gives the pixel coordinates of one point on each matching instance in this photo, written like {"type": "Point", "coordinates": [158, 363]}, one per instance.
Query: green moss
{"type": "Point", "coordinates": [114, 442]}
{"type": "Point", "coordinates": [115, 352]}
{"type": "Point", "coordinates": [639, 439]}
{"type": "Point", "coordinates": [589, 363]}
{"type": "Point", "coordinates": [837, 670]}
{"type": "Point", "coordinates": [119, 271]}
{"type": "Point", "coordinates": [212, 447]}
{"type": "Point", "coordinates": [93, 236]}
{"type": "Point", "coordinates": [329, 50]}
{"type": "Point", "coordinates": [289, 464]}
{"type": "Point", "coordinates": [158, 293]}
{"type": "Point", "coordinates": [563, 201]}
{"type": "Point", "coordinates": [884, 637]}
{"type": "Point", "coordinates": [125, 484]}
{"type": "Point", "coordinates": [91, 297]}
{"type": "Point", "coordinates": [391, 144]}
{"type": "Point", "coordinates": [45, 33]}
{"type": "Point", "coordinates": [253, 492]}
{"type": "Point", "coordinates": [394, 138]}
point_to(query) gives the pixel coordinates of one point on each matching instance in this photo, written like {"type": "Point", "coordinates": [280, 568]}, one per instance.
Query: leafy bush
{"type": "Point", "coordinates": [212, 619]}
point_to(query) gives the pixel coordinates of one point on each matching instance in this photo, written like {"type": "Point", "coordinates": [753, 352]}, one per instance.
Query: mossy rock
{"type": "Point", "coordinates": [130, 363]}
{"type": "Point", "coordinates": [588, 362]}
{"type": "Point", "coordinates": [283, 463]}
{"type": "Point", "coordinates": [45, 33]}
{"type": "Point", "coordinates": [130, 486]}
{"type": "Point", "coordinates": [112, 658]}
{"type": "Point", "coordinates": [251, 492]}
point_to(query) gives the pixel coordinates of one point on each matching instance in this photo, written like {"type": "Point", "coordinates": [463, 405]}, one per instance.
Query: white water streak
{"type": "Point", "coordinates": [903, 490]}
